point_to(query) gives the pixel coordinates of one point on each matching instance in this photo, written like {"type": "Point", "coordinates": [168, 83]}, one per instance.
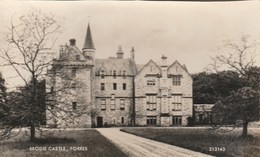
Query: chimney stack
{"type": "Point", "coordinates": [132, 54]}
{"type": "Point", "coordinates": [120, 53]}
{"type": "Point", "coordinates": [72, 42]}
{"type": "Point", "coordinates": [164, 61]}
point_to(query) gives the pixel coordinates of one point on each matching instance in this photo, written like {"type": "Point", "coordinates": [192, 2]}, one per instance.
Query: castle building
{"type": "Point", "coordinates": [116, 91]}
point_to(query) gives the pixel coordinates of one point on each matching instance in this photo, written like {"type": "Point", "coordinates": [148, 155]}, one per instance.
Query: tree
{"type": "Point", "coordinates": [29, 41]}
{"type": "Point", "coordinates": [208, 88]}
{"type": "Point", "coordinates": [18, 107]}
{"type": "Point", "coordinates": [238, 108]}
{"type": "Point", "coordinates": [236, 55]}
{"type": "Point", "coordinates": [242, 104]}
{"type": "Point", "coordinates": [3, 107]}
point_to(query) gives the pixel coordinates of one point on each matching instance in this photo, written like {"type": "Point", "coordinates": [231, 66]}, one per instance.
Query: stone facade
{"type": "Point", "coordinates": [116, 91]}
{"type": "Point", "coordinates": [163, 94]}
{"type": "Point", "coordinates": [69, 82]}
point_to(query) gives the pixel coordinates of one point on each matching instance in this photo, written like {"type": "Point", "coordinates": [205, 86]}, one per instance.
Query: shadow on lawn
{"type": "Point", "coordinates": [203, 140]}
{"type": "Point", "coordinates": [53, 140]}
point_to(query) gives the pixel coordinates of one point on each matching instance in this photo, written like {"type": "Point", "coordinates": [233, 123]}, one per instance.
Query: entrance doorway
{"type": "Point", "coordinates": [99, 122]}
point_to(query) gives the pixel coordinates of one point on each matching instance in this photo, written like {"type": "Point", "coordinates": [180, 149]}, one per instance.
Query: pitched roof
{"type": "Point", "coordinates": [88, 44]}
{"type": "Point", "coordinates": [149, 62]}
{"type": "Point", "coordinates": [115, 64]}
{"type": "Point", "coordinates": [182, 66]}
{"type": "Point", "coordinates": [203, 107]}
{"type": "Point", "coordinates": [70, 52]}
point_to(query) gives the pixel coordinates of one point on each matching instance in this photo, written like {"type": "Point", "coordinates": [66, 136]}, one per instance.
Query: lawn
{"type": "Point", "coordinates": [205, 141]}
{"type": "Point", "coordinates": [61, 143]}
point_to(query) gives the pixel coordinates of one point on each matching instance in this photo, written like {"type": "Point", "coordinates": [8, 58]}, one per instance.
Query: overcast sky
{"type": "Point", "coordinates": [185, 31]}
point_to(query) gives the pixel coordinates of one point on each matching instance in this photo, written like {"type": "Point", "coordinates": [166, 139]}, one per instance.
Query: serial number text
{"type": "Point", "coordinates": [217, 149]}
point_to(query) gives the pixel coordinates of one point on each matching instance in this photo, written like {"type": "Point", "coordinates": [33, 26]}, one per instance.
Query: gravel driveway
{"type": "Point", "coordinates": [135, 146]}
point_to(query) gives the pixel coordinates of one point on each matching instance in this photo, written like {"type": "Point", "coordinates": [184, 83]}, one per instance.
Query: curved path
{"type": "Point", "coordinates": [135, 146]}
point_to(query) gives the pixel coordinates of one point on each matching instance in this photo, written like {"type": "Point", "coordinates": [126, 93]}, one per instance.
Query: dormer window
{"type": "Point", "coordinates": [77, 57]}
{"type": "Point", "coordinates": [114, 73]}
{"type": "Point", "coordinates": [124, 73]}
{"type": "Point", "coordinates": [102, 74]}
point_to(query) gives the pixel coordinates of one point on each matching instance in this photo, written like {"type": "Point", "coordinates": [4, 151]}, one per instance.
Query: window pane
{"type": "Point", "coordinates": [103, 104]}
{"type": "Point", "coordinates": [112, 105]}
{"type": "Point", "coordinates": [102, 86]}
{"type": "Point", "coordinates": [73, 72]}
{"type": "Point", "coordinates": [74, 105]}
{"type": "Point", "coordinates": [124, 86]}
{"type": "Point", "coordinates": [114, 86]}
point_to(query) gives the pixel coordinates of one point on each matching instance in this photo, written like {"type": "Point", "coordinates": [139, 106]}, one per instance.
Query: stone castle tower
{"type": "Point", "coordinates": [71, 81]}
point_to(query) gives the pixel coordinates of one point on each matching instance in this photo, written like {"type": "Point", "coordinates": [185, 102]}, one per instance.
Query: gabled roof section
{"type": "Point", "coordinates": [149, 62]}
{"type": "Point", "coordinates": [116, 64]}
{"type": "Point", "coordinates": [102, 67]}
{"type": "Point", "coordinates": [182, 66]}
{"type": "Point", "coordinates": [203, 107]}
{"type": "Point", "coordinates": [88, 44]}
{"type": "Point", "coordinates": [70, 53]}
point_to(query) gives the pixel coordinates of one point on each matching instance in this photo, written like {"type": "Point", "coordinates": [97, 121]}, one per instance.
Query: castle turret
{"type": "Point", "coordinates": [88, 47]}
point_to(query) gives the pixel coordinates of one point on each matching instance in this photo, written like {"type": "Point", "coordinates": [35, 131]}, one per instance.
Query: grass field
{"type": "Point", "coordinates": [205, 141]}
{"type": "Point", "coordinates": [91, 143]}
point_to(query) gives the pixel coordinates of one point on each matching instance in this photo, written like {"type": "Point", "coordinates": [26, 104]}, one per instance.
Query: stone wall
{"type": "Point", "coordinates": [164, 91]}
{"type": "Point", "coordinates": [113, 117]}
{"type": "Point", "coordinates": [66, 90]}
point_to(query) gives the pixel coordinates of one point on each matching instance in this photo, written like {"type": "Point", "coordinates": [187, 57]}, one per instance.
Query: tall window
{"type": "Point", "coordinates": [102, 86]}
{"type": "Point", "coordinates": [124, 86]}
{"type": "Point", "coordinates": [102, 74]}
{"type": "Point", "coordinates": [177, 102]}
{"type": "Point", "coordinates": [114, 120]}
{"type": "Point", "coordinates": [151, 120]}
{"type": "Point", "coordinates": [73, 72]}
{"type": "Point", "coordinates": [122, 104]}
{"type": "Point", "coordinates": [112, 104]}
{"type": "Point", "coordinates": [176, 80]}
{"type": "Point", "coordinates": [114, 86]}
{"type": "Point", "coordinates": [122, 120]}
{"type": "Point", "coordinates": [73, 85]}
{"type": "Point", "coordinates": [176, 120]}
{"type": "Point", "coordinates": [151, 81]}
{"type": "Point", "coordinates": [74, 105]}
{"type": "Point", "coordinates": [114, 73]}
{"type": "Point", "coordinates": [52, 89]}
{"type": "Point", "coordinates": [103, 104]}
{"type": "Point", "coordinates": [151, 102]}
